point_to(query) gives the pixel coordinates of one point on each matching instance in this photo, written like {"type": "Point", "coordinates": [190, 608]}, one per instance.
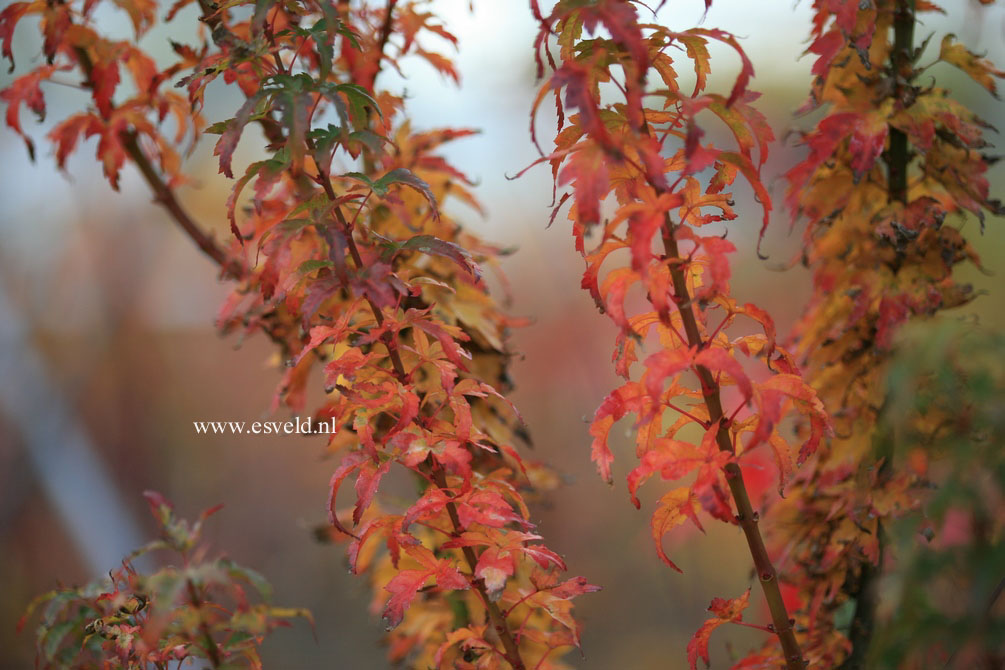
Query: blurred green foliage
{"type": "Point", "coordinates": [942, 600]}
{"type": "Point", "coordinates": [198, 609]}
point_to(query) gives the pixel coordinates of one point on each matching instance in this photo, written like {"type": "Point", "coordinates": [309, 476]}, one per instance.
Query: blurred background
{"type": "Point", "coordinates": [108, 353]}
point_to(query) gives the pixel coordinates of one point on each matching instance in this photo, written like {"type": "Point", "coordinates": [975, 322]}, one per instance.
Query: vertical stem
{"type": "Point", "coordinates": [745, 514]}
{"type": "Point", "coordinates": [898, 154]}
{"type": "Point", "coordinates": [746, 517]}
{"type": "Point", "coordinates": [897, 158]}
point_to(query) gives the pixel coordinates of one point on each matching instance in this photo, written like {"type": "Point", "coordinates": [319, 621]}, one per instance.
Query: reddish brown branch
{"type": "Point", "coordinates": [745, 514]}
{"type": "Point", "coordinates": [165, 197]}
{"type": "Point", "coordinates": [274, 135]}
{"type": "Point", "coordinates": [746, 517]}
{"type": "Point", "coordinates": [163, 194]}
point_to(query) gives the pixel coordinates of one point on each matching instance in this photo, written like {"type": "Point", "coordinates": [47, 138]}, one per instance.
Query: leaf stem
{"type": "Point", "coordinates": [700, 422]}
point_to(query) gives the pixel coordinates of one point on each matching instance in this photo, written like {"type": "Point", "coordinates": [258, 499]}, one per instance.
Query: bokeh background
{"type": "Point", "coordinates": [108, 353]}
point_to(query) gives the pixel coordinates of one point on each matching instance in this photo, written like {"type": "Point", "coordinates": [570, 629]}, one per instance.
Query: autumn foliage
{"type": "Point", "coordinates": [889, 162]}
{"type": "Point", "coordinates": [343, 255]}
{"type": "Point", "coordinates": [645, 148]}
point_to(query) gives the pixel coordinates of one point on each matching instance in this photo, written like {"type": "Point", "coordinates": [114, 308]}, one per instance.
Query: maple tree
{"type": "Point", "coordinates": [888, 163]}
{"type": "Point", "coordinates": [357, 272]}
{"type": "Point", "coordinates": [343, 255]}
{"type": "Point", "coordinates": [650, 158]}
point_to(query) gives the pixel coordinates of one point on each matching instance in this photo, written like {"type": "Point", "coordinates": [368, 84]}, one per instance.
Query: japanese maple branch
{"type": "Point", "coordinates": [512, 650]}
{"type": "Point", "coordinates": [745, 514]}
{"type": "Point", "coordinates": [274, 135]}
{"type": "Point", "coordinates": [439, 478]}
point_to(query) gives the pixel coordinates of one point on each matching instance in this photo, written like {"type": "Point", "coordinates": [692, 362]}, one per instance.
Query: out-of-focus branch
{"type": "Point", "coordinates": [163, 194]}
{"type": "Point", "coordinates": [385, 35]}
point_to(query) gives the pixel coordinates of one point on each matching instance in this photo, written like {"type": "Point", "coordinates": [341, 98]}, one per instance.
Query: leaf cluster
{"type": "Point", "coordinates": [193, 607]}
